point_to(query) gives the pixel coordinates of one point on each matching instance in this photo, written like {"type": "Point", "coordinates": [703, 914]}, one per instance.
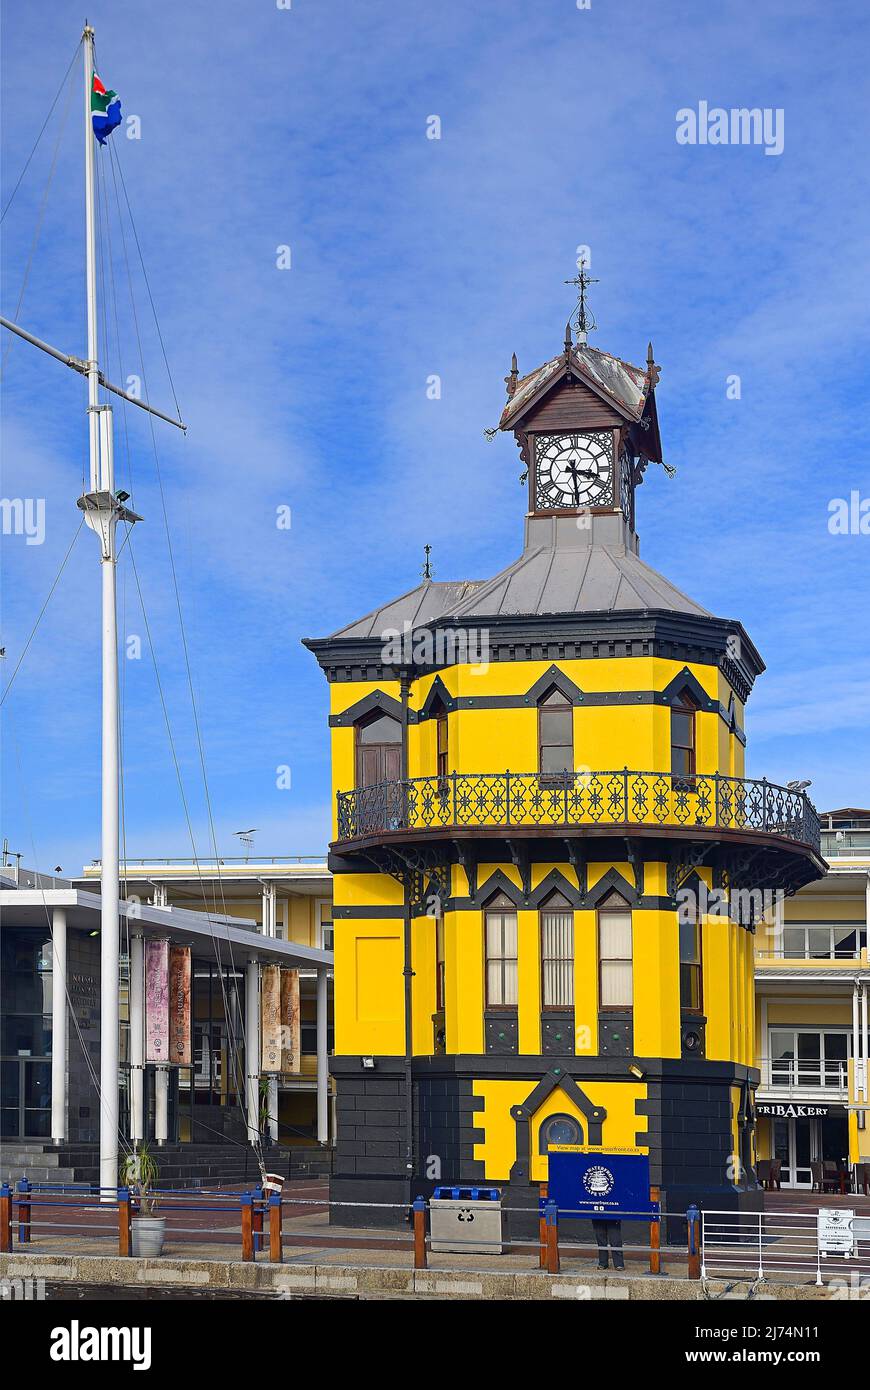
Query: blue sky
{"type": "Point", "coordinates": [263, 127]}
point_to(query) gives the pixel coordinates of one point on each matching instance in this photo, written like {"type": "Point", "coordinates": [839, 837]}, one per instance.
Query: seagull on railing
{"type": "Point", "coordinates": [798, 786]}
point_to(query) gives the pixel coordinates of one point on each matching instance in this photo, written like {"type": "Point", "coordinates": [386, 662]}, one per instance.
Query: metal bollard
{"type": "Point", "coordinates": [124, 1228]}
{"type": "Point", "coordinates": [693, 1219]}
{"type": "Point", "coordinates": [247, 1204]}
{"type": "Point", "coordinates": [542, 1230]}
{"type": "Point", "coordinates": [23, 1212]}
{"type": "Point", "coordinates": [5, 1218]}
{"type": "Point", "coordinates": [276, 1251]}
{"type": "Point", "coordinates": [655, 1230]}
{"type": "Point", "coordinates": [552, 1220]}
{"type": "Point", "coordinates": [419, 1209]}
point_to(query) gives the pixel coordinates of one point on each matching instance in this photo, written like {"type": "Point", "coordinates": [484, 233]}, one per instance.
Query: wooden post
{"type": "Point", "coordinates": [552, 1220]}
{"type": "Point", "coordinates": [23, 1212]}
{"type": "Point", "coordinates": [655, 1235]}
{"type": "Point", "coordinates": [693, 1219]}
{"type": "Point", "coordinates": [247, 1204]}
{"type": "Point", "coordinates": [419, 1209]}
{"type": "Point", "coordinates": [258, 1220]}
{"type": "Point", "coordinates": [124, 1244]}
{"type": "Point", "coordinates": [276, 1253]}
{"type": "Point", "coordinates": [542, 1230]}
{"type": "Point", "coordinates": [5, 1218]}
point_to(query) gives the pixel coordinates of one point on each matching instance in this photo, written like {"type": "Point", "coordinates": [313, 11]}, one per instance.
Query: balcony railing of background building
{"type": "Point", "coordinates": [803, 1073]}
{"type": "Point", "coordinates": [619, 798]}
{"type": "Point", "coordinates": [846, 844]}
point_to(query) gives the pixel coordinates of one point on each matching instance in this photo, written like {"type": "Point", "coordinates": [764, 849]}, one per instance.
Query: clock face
{"type": "Point", "coordinates": [574, 470]}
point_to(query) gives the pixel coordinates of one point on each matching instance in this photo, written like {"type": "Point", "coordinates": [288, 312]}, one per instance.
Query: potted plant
{"type": "Point", "coordinates": [139, 1172]}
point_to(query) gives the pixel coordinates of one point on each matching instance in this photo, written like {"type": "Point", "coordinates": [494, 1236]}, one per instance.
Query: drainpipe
{"type": "Point", "coordinates": [407, 972]}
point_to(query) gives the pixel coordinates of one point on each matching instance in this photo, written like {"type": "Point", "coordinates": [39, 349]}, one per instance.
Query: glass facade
{"type": "Point", "coordinates": [25, 1035]}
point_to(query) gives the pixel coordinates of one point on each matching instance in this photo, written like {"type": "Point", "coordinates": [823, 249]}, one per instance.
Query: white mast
{"type": "Point", "coordinates": [102, 512]}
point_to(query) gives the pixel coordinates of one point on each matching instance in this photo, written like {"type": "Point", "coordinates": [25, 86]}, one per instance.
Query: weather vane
{"type": "Point", "coordinates": [426, 571]}
{"type": "Point", "coordinates": [582, 316]}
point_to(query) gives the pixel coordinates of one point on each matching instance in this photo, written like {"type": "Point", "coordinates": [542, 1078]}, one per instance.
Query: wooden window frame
{"type": "Point", "coordinates": [565, 706]}
{"type": "Point", "coordinates": [695, 965]}
{"type": "Point", "coordinates": [686, 706]}
{"type": "Point", "coordinates": [496, 910]}
{"type": "Point", "coordinates": [564, 909]}
{"type": "Point", "coordinates": [611, 908]}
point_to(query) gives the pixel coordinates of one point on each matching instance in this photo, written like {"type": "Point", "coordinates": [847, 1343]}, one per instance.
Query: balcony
{"type": "Point", "coordinates": [594, 803]}
{"type": "Point", "coordinates": [805, 1079]}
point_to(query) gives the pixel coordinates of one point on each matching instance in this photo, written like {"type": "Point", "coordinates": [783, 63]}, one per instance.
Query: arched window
{"type": "Point", "coordinates": [442, 746]}
{"type": "Point", "coordinates": [378, 750]}
{"type": "Point", "coordinates": [559, 1129]}
{"type": "Point", "coordinates": [557, 953]}
{"type": "Point", "coordinates": [500, 944]}
{"type": "Point", "coordinates": [555, 733]}
{"type": "Point", "coordinates": [683, 737]}
{"type": "Point", "coordinates": [615, 957]}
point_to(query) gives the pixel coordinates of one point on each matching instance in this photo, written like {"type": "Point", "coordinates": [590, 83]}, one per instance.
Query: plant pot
{"type": "Point", "coordinates": [147, 1235]}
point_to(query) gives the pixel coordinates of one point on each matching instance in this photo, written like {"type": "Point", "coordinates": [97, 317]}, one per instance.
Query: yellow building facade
{"type": "Point", "coordinates": [812, 985]}
{"type": "Point", "coordinates": [544, 843]}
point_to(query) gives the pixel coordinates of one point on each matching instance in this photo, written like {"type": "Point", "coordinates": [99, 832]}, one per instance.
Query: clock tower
{"type": "Point", "coordinates": [586, 426]}
{"type": "Point", "coordinates": [548, 859]}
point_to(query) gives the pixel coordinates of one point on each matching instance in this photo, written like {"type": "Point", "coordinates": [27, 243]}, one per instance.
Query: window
{"type": "Point", "coordinates": [809, 1058]}
{"type": "Point", "coordinates": [501, 953]}
{"type": "Point", "coordinates": [442, 759]}
{"type": "Point", "coordinates": [614, 954]}
{"type": "Point", "coordinates": [378, 750]}
{"type": "Point", "coordinates": [559, 1129]}
{"type": "Point", "coordinates": [683, 737]}
{"type": "Point", "coordinates": [439, 964]}
{"type": "Point", "coordinates": [324, 931]}
{"type": "Point", "coordinates": [557, 954]}
{"type": "Point", "coordinates": [555, 733]}
{"type": "Point", "coordinates": [691, 991]}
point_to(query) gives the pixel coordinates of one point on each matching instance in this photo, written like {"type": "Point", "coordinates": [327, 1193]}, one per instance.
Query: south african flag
{"type": "Point", "coordinates": [105, 110]}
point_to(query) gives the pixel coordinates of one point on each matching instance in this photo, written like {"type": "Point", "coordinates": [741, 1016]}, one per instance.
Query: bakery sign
{"type": "Point", "coordinates": [790, 1111]}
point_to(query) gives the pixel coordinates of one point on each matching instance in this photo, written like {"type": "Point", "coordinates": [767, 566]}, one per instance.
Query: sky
{"type": "Point", "coordinates": [271, 134]}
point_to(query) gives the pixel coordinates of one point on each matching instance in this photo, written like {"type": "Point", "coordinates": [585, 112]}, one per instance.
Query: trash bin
{"type": "Point", "coordinates": [465, 1220]}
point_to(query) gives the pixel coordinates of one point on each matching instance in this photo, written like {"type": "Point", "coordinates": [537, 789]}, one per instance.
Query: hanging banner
{"type": "Point", "coordinates": [270, 1019]}
{"type": "Point", "coordinates": [179, 1005]}
{"type": "Point", "coordinates": [291, 1023]}
{"type": "Point", "coordinates": [156, 1000]}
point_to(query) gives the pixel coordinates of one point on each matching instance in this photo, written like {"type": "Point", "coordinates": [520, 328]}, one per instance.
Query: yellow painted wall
{"type": "Point", "coordinates": [498, 1148]}
{"type": "Point", "coordinates": [656, 983]}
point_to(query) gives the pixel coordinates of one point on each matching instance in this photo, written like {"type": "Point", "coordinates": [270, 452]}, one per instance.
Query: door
{"type": "Point", "coordinates": [795, 1143]}
{"type": "Point", "coordinates": [25, 1098]}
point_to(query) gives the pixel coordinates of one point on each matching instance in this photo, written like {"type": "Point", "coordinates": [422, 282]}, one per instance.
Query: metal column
{"type": "Point", "coordinates": [252, 1049]}
{"type": "Point", "coordinates": [322, 1061]}
{"type": "Point", "coordinates": [59, 1049]}
{"type": "Point", "coordinates": [137, 1037]}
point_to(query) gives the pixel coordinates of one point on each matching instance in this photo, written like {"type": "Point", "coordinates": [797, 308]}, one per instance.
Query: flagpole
{"type": "Point", "coordinates": [102, 510]}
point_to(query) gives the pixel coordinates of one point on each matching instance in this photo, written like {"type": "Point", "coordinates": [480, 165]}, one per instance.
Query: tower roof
{"type": "Point", "coordinates": [624, 385]}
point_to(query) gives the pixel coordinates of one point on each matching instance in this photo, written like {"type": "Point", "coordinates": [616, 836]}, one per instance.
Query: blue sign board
{"type": "Point", "coordinates": [599, 1184]}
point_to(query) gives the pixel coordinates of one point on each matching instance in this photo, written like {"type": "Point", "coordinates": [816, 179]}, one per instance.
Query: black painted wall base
{"type": "Point", "coordinates": [686, 1121]}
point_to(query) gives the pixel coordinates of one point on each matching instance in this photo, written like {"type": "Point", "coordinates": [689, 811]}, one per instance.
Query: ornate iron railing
{"type": "Point", "coordinates": [501, 800]}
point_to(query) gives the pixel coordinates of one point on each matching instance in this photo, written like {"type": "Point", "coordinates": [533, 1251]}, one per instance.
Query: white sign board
{"type": "Point", "coordinates": [836, 1235]}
